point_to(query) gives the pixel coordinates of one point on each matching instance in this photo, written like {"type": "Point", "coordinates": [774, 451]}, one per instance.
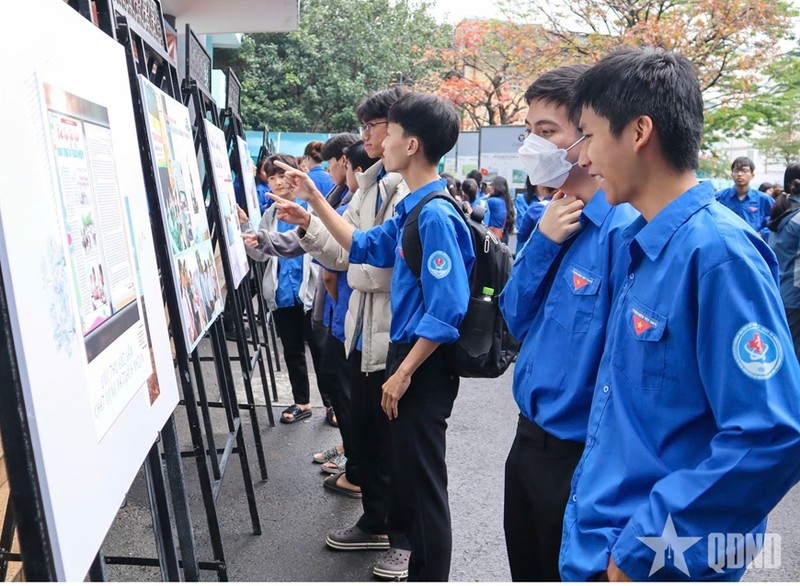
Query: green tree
{"type": "Point", "coordinates": [312, 79]}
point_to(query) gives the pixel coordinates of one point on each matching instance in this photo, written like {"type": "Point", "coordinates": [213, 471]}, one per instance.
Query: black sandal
{"type": "Point", "coordinates": [296, 413]}
{"type": "Point", "coordinates": [330, 417]}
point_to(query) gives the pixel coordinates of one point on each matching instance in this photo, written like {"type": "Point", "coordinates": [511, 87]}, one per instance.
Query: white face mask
{"type": "Point", "coordinates": [545, 163]}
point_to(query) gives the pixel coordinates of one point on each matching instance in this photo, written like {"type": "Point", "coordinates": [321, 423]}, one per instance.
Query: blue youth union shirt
{"type": "Point", "coordinates": [290, 272]}
{"type": "Point", "coordinates": [753, 209]}
{"type": "Point", "coordinates": [447, 259]}
{"type": "Point", "coordinates": [561, 321]}
{"type": "Point", "coordinates": [695, 420]}
{"type": "Point", "coordinates": [531, 219]}
{"type": "Point", "coordinates": [335, 312]}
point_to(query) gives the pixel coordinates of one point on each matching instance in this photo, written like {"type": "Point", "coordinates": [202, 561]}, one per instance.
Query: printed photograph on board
{"type": "Point", "coordinates": [197, 282]}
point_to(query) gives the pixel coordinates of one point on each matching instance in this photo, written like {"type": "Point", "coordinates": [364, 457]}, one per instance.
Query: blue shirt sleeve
{"type": "Point", "coordinates": [376, 246]}
{"type": "Point", "coordinates": [524, 291]}
{"type": "Point", "coordinates": [755, 454]}
{"type": "Point", "coordinates": [529, 221]}
{"type": "Point", "coordinates": [496, 206]}
{"type": "Point", "coordinates": [446, 240]}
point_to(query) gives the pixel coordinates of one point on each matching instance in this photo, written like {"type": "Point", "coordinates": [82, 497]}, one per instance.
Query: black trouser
{"type": "Point", "coordinates": [294, 328]}
{"type": "Point", "coordinates": [419, 471]}
{"type": "Point", "coordinates": [336, 372]}
{"type": "Point", "coordinates": [793, 317]}
{"type": "Point", "coordinates": [372, 449]}
{"type": "Point", "coordinates": [539, 472]}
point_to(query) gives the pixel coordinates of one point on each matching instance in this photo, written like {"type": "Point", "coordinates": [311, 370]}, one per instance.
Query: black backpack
{"type": "Point", "coordinates": [485, 348]}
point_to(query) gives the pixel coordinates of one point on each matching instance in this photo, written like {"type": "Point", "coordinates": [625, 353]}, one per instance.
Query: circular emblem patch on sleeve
{"type": "Point", "coordinates": [439, 264]}
{"type": "Point", "coordinates": [757, 351]}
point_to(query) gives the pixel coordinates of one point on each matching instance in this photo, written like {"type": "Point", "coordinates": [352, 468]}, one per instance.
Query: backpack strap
{"type": "Point", "coordinates": [412, 246]}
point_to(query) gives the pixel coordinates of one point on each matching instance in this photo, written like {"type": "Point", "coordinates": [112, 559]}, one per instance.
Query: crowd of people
{"type": "Point", "coordinates": [671, 406]}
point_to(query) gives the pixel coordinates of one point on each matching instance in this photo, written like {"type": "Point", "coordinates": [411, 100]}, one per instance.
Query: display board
{"type": "Point", "coordinates": [77, 256]}
{"type": "Point", "coordinates": [226, 196]}
{"type": "Point", "coordinates": [467, 149]}
{"type": "Point", "coordinates": [248, 181]}
{"type": "Point", "coordinates": [183, 212]}
{"type": "Point", "coordinates": [498, 153]}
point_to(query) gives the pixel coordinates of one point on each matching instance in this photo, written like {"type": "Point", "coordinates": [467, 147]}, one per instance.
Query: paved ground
{"type": "Point", "coordinates": [296, 512]}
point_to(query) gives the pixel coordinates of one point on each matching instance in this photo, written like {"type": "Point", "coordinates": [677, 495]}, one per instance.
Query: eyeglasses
{"type": "Point", "coordinates": [741, 171]}
{"type": "Point", "coordinates": [370, 126]}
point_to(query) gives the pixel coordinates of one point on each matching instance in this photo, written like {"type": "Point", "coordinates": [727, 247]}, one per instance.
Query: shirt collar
{"type": "Point", "coordinates": [654, 235]}
{"type": "Point", "coordinates": [407, 204]}
{"type": "Point", "coordinates": [597, 209]}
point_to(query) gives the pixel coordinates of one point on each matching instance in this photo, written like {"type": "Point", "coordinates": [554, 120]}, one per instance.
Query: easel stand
{"type": "Point", "coordinates": [233, 128]}
{"type": "Point", "coordinates": [197, 97]}
{"type": "Point", "coordinates": [146, 54]}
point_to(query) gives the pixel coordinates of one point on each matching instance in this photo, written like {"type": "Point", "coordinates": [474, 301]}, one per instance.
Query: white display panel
{"type": "Point", "coordinates": [80, 272]}
{"type": "Point", "coordinates": [227, 202]}
{"type": "Point", "coordinates": [184, 213]}
{"type": "Point", "coordinates": [498, 153]}
{"type": "Point", "coordinates": [248, 181]}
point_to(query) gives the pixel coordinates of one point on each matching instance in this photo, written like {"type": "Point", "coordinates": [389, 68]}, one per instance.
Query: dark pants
{"type": "Point", "coordinates": [372, 449]}
{"type": "Point", "coordinates": [419, 471]}
{"type": "Point", "coordinates": [539, 472]}
{"type": "Point", "coordinates": [335, 371]}
{"type": "Point", "coordinates": [294, 328]}
{"type": "Point", "coordinates": [793, 317]}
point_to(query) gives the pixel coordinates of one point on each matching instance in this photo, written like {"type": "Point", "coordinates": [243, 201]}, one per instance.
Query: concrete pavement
{"type": "Point", "coordinates": [296, 512]}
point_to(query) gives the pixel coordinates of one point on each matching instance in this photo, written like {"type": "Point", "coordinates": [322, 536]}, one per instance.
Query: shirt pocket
{"type": "Point", "coordinates": [573, 298]}
{"type": "Point", "coordinates": [641, 348]}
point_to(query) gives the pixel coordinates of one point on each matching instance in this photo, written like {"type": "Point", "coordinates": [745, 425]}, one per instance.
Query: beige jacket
{"type": "Point", "coordinates": [370, 308]}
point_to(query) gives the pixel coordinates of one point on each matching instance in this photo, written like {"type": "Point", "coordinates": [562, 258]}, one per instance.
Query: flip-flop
{"type": "Point", "coordinates": [296, 413]}
{"type": "Point", "coordinates": [330, 484]}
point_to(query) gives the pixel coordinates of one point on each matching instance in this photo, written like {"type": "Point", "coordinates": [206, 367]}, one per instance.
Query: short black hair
{"type": "Point", "coordinates": [557, 87]}
{"type": "Point", "coordinates": [431, 119]}
{"type": "Point", "coordinates": [335, 145]}
{"type": "Point", "coordinates": [270, 168]}
{"type": "Point", "coordinates": [476, 176]}
{"type": "Point", "coordinates": [470, 188]}
{"type": "Point", "coordinates": [764, 186]}
{"type": "Point", "coordinates": [743, 162]}
{"type": "Point", "coordinates": [358, 157]}
{"type": "Point", "coordinates": [662, 85]}
{"type": "Point", "coordinates": [377, 104]}
{"type": "Point", "coordinates": [791, 178]}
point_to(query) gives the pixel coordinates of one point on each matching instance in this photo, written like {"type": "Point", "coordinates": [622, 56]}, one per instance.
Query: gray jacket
{"type": "Point", "coordinates": [272, 244]}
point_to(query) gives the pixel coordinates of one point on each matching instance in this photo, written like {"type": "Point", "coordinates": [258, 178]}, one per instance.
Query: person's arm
{"type": "Point", "coordinates": [317, 241]}
{"type": "Point", "coordinates": [396, 385]}
{"type": "Point", "coordinates": [266, 243]}
{"type": "Point", "coordinates": [304, 188]}
{"type": "Point", "coordinates": [525, 290]}
{"type": "Point", "coordinates": [330, 279]}
{"type": "Point", "coordinates": [754, 458]}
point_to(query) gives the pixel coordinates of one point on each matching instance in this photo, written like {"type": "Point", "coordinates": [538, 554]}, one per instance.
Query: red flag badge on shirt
{"type": "Point", "coordinates": [642, 323]}
{"type": "Point", "coordinates": [580, 281]}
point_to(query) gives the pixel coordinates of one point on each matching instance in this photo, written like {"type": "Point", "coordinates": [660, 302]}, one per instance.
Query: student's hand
{"type": "Point", "coordinates": [561, 217]}
{"type": "Point", "coordinates": [250, 240]}
{"type": "Point", "coordinates": [393, 390]}
{"type": "Point", "coordinates": [614, 573]}
{"type": "Point", "coordinates": [243, 219]}
{"type": "Point", "coordinates": [292, 213]}
{"type": "Point", "coordinates": [299, 183]}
